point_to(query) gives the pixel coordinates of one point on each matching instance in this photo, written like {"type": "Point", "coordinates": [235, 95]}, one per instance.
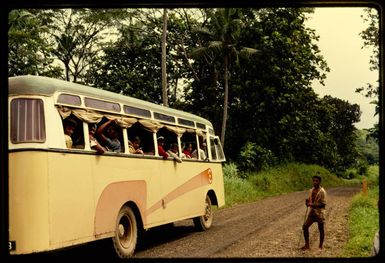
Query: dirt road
{"type": "Point", "coordinates": [266, 228]}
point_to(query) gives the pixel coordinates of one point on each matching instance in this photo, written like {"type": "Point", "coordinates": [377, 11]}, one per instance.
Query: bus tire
{"type": "Point", "coordinates": [126, 233]}
{"type": "Point", "coordinates": [204, 222]}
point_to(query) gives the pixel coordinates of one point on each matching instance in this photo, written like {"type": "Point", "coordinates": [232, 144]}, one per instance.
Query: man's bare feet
{"type": "Point", "coordinates": [305, 247]}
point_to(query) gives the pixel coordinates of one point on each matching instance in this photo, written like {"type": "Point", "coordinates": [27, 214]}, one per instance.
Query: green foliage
{"type": "Point", "coordinates": [275, 180]}
{"type": "Point", "coordinates": [372, 175]}
{"type": "Point", "coordinates": [28, 49]}
{"type": "Point", "coordinates": [238, 190]}
{"type": "Point", "coordinates": [131, 66]}
{"type": "Point", "coordinates": [221, 49]}
{"type": "Point", "coordinates": [230, 170]}
{"type": "Point", "coordinates": [350, 173]}
{"type": "Point", "coordinates": [255, 158]}
{"type": "Point", "coordinates": [363, 168]}
{"type": "Point", "coordinates": [340, 128]}
{"type": "Point", "coordinates": [367, 147]}
{"type": "Point", "coordinates": [370, 36]}
{"type": "Point", "coordinates": [77, 38]}
{"type": "Point", "coordinates": [292, 177]}
{"type": "Point", "coordinates": [363, 224]}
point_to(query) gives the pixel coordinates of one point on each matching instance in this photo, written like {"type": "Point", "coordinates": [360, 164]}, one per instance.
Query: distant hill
{"type": "Point", "coordinates": [367, 146]}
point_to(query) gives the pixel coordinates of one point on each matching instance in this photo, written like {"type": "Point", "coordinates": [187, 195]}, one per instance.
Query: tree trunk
{"type": "Point", "coordinates": [67, 71]}
{"type": "Point", "coordinates": [225, 101]}
{"type": "Point", "coordinates": [164, 72]}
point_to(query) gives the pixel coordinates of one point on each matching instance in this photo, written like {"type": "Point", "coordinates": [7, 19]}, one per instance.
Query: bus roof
{"type": "Point", "coordinates": [45, 86]}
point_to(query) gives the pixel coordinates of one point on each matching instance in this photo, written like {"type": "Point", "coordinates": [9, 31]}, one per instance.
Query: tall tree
{"type": "Point", "coordinates": [342, 129]}
{"type": "Point", "coordinates": [370, 37]}
{"type": "Point", "coordinates": [271, 96]}
{"type": "Point", "coordinates": [223, 31]}
{"type": "Point", "coordinates": [131, 65]}
{"type": "Point", "coordinates": [28, 49]}
{"type": "Point", "coordinates": [77, 37]}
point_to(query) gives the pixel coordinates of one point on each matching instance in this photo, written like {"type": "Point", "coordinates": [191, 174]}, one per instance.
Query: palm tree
{"type": "Point", "coordinates": [223, 33]}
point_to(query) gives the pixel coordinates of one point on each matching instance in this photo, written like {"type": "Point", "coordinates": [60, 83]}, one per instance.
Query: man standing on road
{"type": "Point", "coordinates": [317, 203]}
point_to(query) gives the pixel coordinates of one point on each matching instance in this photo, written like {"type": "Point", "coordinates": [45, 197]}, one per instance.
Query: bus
{"type": "Point", "coordinates": [62, 196]}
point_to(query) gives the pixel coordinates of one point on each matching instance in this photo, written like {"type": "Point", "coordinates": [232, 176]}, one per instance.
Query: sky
{"type": "Point", "coordinates": [341, 47]}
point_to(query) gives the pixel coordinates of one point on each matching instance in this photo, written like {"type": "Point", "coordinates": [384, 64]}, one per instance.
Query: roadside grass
{"type": "Point", "coordinates": [372, 175]}
{"type": "Point", "coordinates": [363, 219]}
{"type": "Point", "coordinates": [277, 180]}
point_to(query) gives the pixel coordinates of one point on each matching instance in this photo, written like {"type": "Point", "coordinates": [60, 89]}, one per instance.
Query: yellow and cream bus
{"type": "Point", "coordinates": [61, 197]}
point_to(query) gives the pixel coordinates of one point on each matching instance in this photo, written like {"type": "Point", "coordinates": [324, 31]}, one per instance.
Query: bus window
{"type": "Point", "coordinates": [169, 138]}
{"type": "Point", "coordinates": [202, 150]}
{"type": "Point", "coordinates": [218, 146]}
{"type": "Point", "coordinates": [213, 149]}
{"type": "Point", "coordinates": [73, 132]}
{"type": "Point", "coordinates": [136, 111]}
{"type": "Point", "coordinates": [146, 137]}
{"type": "Point", "coordinates": [186, 122]}
{"type": "Point", "coordinates": [27, 121]}
{"type": "Point", "coordinates": [110, 136]}
{"type": "Point", "coordinates": [94, 144]}
{"type": "Point", "coordinates": [189, 143]}
{"type": "Point", "coordinates": [69, 99]}
{"type": "Point", "coordinates": [101, 104]}
{"type": "Point", "coordinates": [164, 117]}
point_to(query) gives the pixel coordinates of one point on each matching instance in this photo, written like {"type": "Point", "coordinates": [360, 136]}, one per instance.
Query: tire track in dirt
{"type": "Point", "coordinates": [267, 228]}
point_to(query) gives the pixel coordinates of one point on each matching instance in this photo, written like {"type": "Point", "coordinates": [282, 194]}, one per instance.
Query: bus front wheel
{"type": "Point", "coordinates": [126, 233]}
{"type": "Point", "coordinates": [205, 221]}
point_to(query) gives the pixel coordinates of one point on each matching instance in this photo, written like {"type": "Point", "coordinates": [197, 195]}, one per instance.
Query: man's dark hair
{"type": "Point", "coordinates": [70, 122]}
{"type": "Point", "coordinates": [136, 139]}
{"type": "Point", "coordinates": [317, 177]}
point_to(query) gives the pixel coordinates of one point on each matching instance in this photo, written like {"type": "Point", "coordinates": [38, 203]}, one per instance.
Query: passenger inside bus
{"type": "Point", "coordinates": [161, 150]}
{"type": "Point", "coordinates": [134, 146]}
{"type": "Point", "coordinates": [202, 152]}
{"type": "Point", "coordinates": [94, 144]}
{"type": "Point", "coordinates": [173, 152]}
{"type": "Point", "coordinates": [187, 150]}
{"type": "Point", "coordinates": [69, 128]}
{"type": "Point", "coordinates": [108, 134]}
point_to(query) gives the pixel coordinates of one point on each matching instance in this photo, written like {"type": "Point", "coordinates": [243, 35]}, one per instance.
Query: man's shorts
{"type": "Point", "coordinates": [316, 217]}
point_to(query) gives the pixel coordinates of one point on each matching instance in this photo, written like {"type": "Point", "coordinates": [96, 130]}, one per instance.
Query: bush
{"type": "Point", "coordinates": [363, 168]}
{"type": "Point", "coordinates": [350, 173]}
{"type": "Point", "coordinates": [230, 170]}
{"type": "Point", "coordinates": [255, 158]}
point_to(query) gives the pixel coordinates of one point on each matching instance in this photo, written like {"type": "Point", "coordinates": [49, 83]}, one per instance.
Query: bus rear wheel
{"type": "Point", "coordinates": [126, 233]}
{"type": "Point", "coordinates": [204, 222]}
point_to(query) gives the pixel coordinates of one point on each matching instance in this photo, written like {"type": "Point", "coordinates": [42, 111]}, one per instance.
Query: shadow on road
{"type": "Point", "coordinates": [103, 249]}
{"type": "Point", "coordinates": [163, 234]}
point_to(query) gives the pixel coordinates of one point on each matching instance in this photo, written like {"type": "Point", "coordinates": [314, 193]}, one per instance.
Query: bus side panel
{"type": "Point", "coordinates": [184, 189]}
{"type": "Point", "coordinates": [218, 183]}
{"type": "Point", "coordinates": [113, 197]}
{"type": "Point", "coordinates": [71, 192]}
{"type": "Point", "coordinates": [109, 169]}
{"type": "Point", "coordinates": [28, 201]}
{"type": "Point", "coordinates": [186, 186]}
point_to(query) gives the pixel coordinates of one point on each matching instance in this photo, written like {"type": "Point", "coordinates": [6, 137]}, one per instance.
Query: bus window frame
{"type": "Point", "coordinates": [43, 105]}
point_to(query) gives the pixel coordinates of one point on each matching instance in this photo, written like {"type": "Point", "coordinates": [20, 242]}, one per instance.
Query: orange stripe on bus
{"type": "Point", "coordinates": [197, 181]}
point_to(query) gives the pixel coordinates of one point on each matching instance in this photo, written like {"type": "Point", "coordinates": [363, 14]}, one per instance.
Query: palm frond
{"type": "Point", "coordinates": [246, 52]}
{"type": "Point", "coordinates": [203, 31]}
